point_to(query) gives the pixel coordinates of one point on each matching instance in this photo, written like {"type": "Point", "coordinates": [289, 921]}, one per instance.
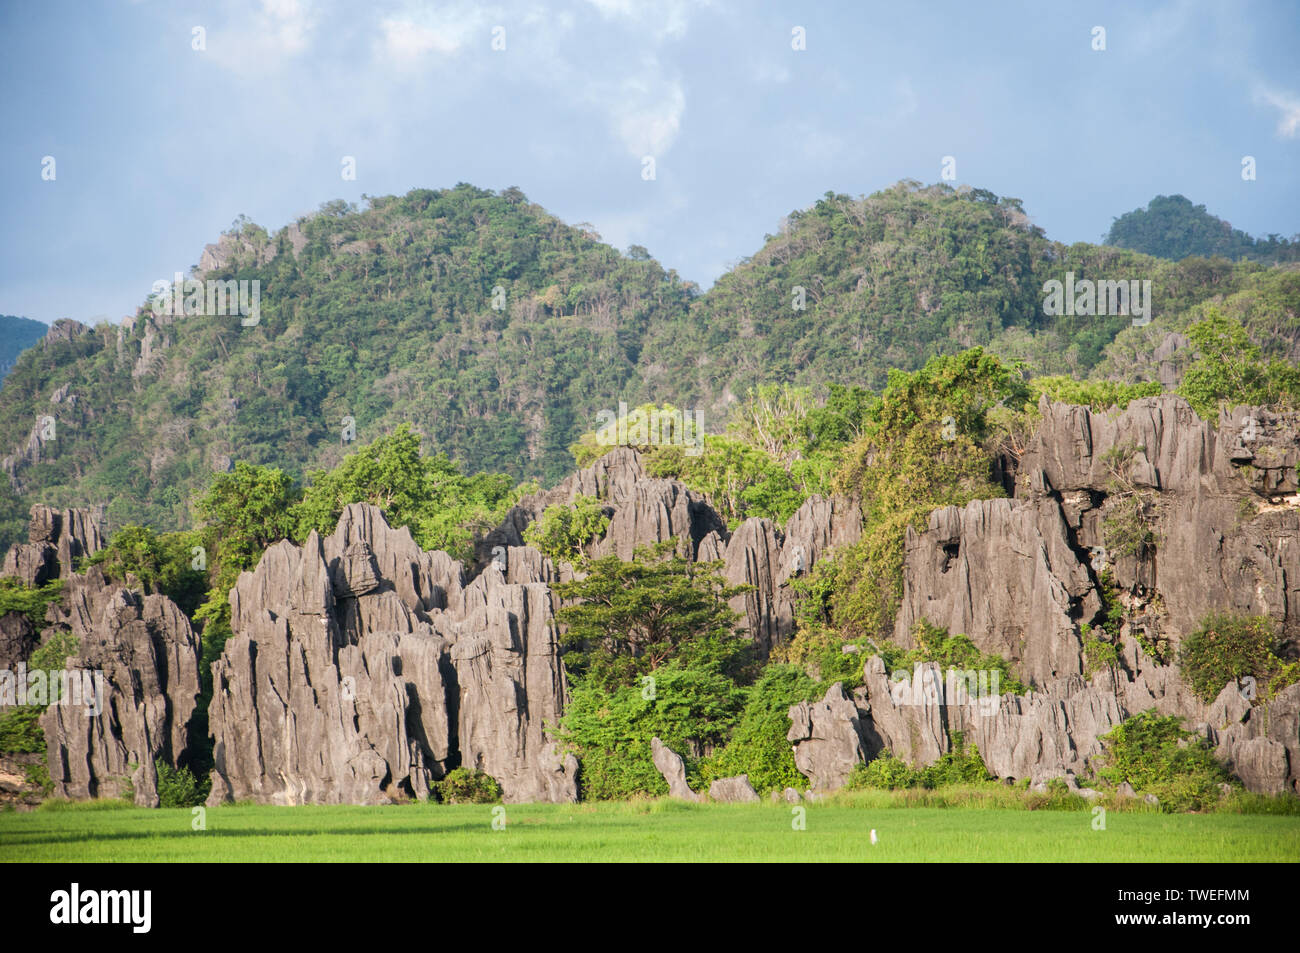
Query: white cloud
{"type": "Point", "coordinates": [645, 112]}
{"type": "Point", "coordinates": [664, 18]}
{"type": "Point", "coordinates": [1288, 104]}
{"type": "Point", "coordinates": [258, 38]}
{"type": "Point", "coordinates": [409, 37]}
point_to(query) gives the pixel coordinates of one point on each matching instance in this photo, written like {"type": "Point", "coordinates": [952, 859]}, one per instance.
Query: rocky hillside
{"type": "Point", "coordinates": [500, 333]}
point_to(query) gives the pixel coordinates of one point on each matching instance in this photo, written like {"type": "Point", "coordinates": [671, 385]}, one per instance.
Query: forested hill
{"type": "Point", "coordinates": [1172, 227]}
{"type": "Point", "coordinates": [500, 332]}
{"type": "Point", "coordinates": [16, 335]}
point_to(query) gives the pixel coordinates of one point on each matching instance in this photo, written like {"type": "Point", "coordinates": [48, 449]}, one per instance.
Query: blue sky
{"type": "Point", "coordinates": [159, 146]}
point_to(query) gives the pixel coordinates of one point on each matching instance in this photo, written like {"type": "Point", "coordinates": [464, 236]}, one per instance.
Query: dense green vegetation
{"type": "Point", "coordinates": [1155, 755]}
{"type": "Point", "coordinates": [1230, 369]}
{"type": "Point", "coordinates": [499, 334]}
{"type": "Point", "coordinates": [1172, 227]}
{"type": "Point", "coordinates": [466, 786]}
{"type": "Point", "coordinates": [1230, 648]}
{"type": "Point", "coordinates": [958, 766]}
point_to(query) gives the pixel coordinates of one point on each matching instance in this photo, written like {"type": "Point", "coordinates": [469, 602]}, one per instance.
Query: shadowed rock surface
{"type": "Point", "coordinates": [17, 639]}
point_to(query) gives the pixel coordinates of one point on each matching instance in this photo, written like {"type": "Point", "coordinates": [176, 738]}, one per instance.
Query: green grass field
{"type": "Point", "coordinates": [639, 831]}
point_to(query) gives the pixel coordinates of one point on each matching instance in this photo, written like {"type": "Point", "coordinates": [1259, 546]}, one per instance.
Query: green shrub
{"type": "Point", "coordinates": [177, 787]}
{"type": "Point", "coordinates": [1157, 756]}
{"type": "Point", "coordinates": [758, 745]}
{"type": "Point", "coordinates": [610, 729]}
{"type": "Point", "coordinates": [1098, 653]}
{"type": "Point", "coordinates": [564, 529]}
{"type": "Point", "coordinates": [956, 766]}
{"type": "Point", "coordinates": [933, 644]}
{"type": "Point", "coordinates": [886, 772]}
{"type": "Point", "coordinates": [1227, 648]}
{"type": "Point", "coordinates": [466, 786]}
{"type": "Point", "coordinates": [162, 562]}
{"type": "Point", "coordinates": [20, 730]}
{"type": "Point", "coordinates": [30, 601]}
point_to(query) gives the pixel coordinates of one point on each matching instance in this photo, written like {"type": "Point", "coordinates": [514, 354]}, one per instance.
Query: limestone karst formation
{"type": "Point", "coordinates": [361, 668]}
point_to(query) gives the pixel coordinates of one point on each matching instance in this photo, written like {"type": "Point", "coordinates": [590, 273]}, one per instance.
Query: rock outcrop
{"type": "Point", "coordinates": [1187, 518]}
{"type": "Point", "coordinates": [644, 510]}
{"type": "Point", "coordinates": [1004, 573]}
{"type": "Point", "coordinates": [735, 790]}
{"type": "Point", "coordinates": [1053, 732]}
{"type": "Point", "coordinates": [827, 739]}
{"type": "Point", "coordinates": [56, 540]}
{"type": "Point", "coordinates": [669, 764]}
{"type": "Point", "coordinates": [361, 668]}
{"type": "Point", "coordinates": [17, 639]}
{"type": "Point", "coordinates": [1220, 505]}
{"type": "Point", "coordinates": [144, 656]}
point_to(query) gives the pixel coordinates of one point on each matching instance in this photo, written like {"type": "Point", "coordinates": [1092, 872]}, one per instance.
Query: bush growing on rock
{"type": "Point", "coordinates": [564, 530]}
{"type": "Point", "coordinates": [1154, 754]}
{"type": "Point", "coordinates": [466, 786]}
{"type": "Point", "coordinates": [30, 601]}
{"type": "Point", "coordinates": [177, 787]}
{"type": "Point", "coordinates": [163, 562]}
{"type": "Point", "coordinates": [1227, 648]}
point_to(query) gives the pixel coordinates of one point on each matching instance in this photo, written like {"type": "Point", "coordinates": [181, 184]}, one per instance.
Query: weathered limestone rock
{"type": "Point", "coordinates": [17, 639]}
{"type": "Point", "coordinates": [1228, 534]}
{"type": "Point", "coordinates": [735, 790]}
{"type": "Point", "coordinates": [362, 668]}
{"type": "Point", "coordinates": [753, 558]}
{"type": "Point", "coordinates": [1260, 744]}
{"type": "Point", "coordinates": [56, 540]}
{"type": "Point", "coordinates": [512, 685]}
{"type": "Point", "coordinates": [669, 764]}
{"type": "Point", "coordinates": [904, 718]}
{"type": "Point", "coordinates": [149, 658]}
{"type": "Point", "coordinates": [645, 510]}
{"type": "Point", "coordinates": [1003, 573]}
{"type": "Point", "coordinates": [827, 739]}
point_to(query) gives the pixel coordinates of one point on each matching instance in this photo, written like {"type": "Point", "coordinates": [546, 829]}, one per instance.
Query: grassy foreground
{"type": "Point", "coordinates": [639, 831]}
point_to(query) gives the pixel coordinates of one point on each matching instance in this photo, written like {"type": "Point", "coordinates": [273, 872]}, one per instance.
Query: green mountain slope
{"type": "Point", "coordinates": [500, 333]}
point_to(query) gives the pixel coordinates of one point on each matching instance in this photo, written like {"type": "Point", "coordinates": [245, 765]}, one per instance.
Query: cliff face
{"type": "Point", "coordinates": [1187, 518]}
{"type": "Point", "coordinates": [644, 510]}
